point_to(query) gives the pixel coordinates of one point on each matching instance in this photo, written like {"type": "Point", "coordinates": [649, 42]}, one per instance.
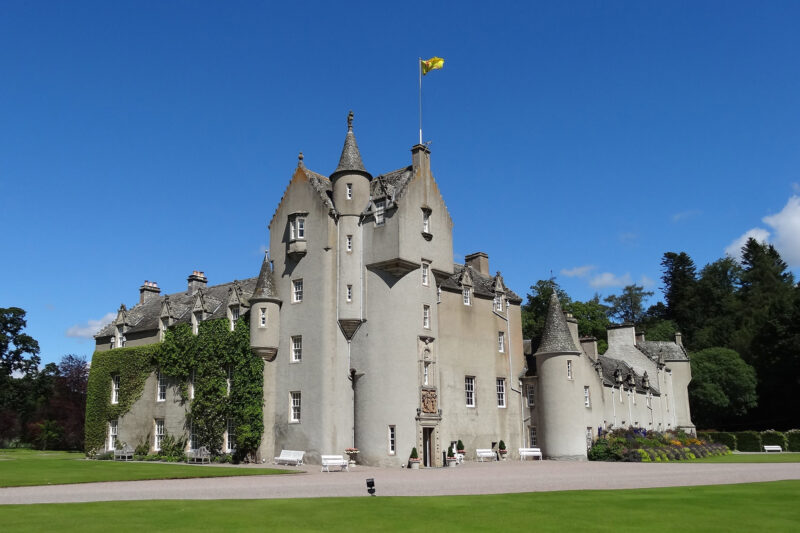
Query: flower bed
{"type": "Point", "coordinates": [638, 445]}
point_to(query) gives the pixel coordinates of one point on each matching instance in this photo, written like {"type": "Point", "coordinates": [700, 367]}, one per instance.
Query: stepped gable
{"type": "Point", "coordinates": [556, 337]}
{"type": "Point", "coordinates": [662, 351]}
{"type": "Point", "coordinates": [481, 285]}
{"type": "Point", "coordinates": [146, 316]}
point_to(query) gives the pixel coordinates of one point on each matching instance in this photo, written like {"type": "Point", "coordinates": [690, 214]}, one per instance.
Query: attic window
{"type": "Point", "coordinates": [234, 316]}
{"type": "Point", "coordinates": [498, 303]}
{"type": "Point", "coordinates": [380, 208]}
{"type": "Point", "coordinates": [467, 296]}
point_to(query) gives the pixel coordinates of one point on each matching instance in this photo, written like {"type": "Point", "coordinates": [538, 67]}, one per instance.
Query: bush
{"type": "Point", "coordinates": [774, 438]}
{"type": "Point", "coordinates": [105, 456]}
{"type": "Point", "coordinates": [143, 448]}
{"type": "Point", "coordinates": [414, 454]}
{"type": "Point", "coordinates": [704, 436]}
{"type": "Point", "coordinates": [748, 441]}
{"type": "Point", "coordinates": [606, 449]}
{"type": "Point", "coordinates": [722, 437]}
{"type": "Point", "coordinates": [793, 440]}
{"type": "Point", "coordinates": [502, 445]}
{"type": "Point", "coordinates": [460, 445]}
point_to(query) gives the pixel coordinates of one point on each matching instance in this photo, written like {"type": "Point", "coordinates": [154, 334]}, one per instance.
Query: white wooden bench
{"type": "Point", "coordinates": [290, 457]}
{"type": "Point", "coordinates": [772, 448]}
{"type": "Point", "coordinates": [200, 455]}
{"type": "Point", "coordinates": [485, 453]}
{"type": "Point", "coordinates": [124, 454]}
{"type": "Point", "coordinates": [530, 452]}
{"type": "Point", "coordinates": [334, 460]}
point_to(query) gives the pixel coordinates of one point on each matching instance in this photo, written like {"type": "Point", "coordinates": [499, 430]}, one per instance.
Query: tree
{"type": "Point", "coordinates": [718, 304]}
{"type": "Point", "coordinates": [680, 291]}
{"type": "Point", "coordinates": [592, 320]}
{"type": "Point", "coordinates": [14, 344]}
{"type": "Point", "coordinates": [628, 306]}
{"type": "Point", "coordinates": [723, 387]}
{"type": "Point", "coordinates": [67, 403]}
{"type": "Point", "coordinates": [534, 311]}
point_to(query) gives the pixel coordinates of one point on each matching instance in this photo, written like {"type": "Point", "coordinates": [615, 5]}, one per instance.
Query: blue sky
{"type": "Point", "coordinates": [144, 140]}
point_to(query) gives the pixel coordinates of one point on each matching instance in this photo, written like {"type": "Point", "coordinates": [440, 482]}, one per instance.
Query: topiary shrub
{"type": "Point", "coordinates": [793, 440]}
{"type": "Point", "coordinates": [748, 441]}
{"type": "Point", "coordinates": [774, 438]}
{"type": "Point", "coordinates": [460, 446]}
{"type": "Point", "coordinates": [414, 454]}
{"type": "Point", "coordinates": [722, 437]}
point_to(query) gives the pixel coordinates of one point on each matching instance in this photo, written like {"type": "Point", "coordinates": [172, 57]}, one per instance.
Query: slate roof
{"type": "Point", "coordinates": [481, 285]}
{"type": "Point", "coordinates": [350, 159]}
{"type": "Point", "coordinates": [662, 351]}
{"type": "Point", "coordinates": [609, 366]}
{"type": "Point", "coordinates": [265, 284]}
{"type": "Point", "coordinates": [146, 316]}
{"type": "Point", "coordinates": [556, 337]}
{"type": "Point", "coordinates": [391, 185]}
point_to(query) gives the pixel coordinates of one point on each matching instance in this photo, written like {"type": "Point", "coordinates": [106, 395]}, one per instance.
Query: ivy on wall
{"type": "Point", "coordinates": [208, 356]}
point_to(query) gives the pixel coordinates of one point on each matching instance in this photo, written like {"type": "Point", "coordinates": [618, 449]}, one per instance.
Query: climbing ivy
{"type": "Point", "coordinates": [208, 355]}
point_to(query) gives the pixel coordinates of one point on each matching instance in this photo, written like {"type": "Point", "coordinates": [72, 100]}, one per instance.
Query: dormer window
{"type": "Point", "coordinates": [197, 316]}
{"type": "Point", "coordinates": [498, 303]}
{"type": "Point", "coordinates": [466, 292]}
{"type": "Point", "coordinates": [380, 208]}
{"type": "Point", "coordinates": [234, 315]}
{"type": "Point", "coordinates": [164, 324]}
{"type": "Point", "coordinates": [349, 191]}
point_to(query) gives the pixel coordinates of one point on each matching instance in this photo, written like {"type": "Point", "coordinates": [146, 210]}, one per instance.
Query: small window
{"type": "Point", "coordinates": [467, 296]}
{"type": "Point", "coordinates": [349, 293]}
{"type": "Point", "coordinates": [349, 243]}
{"type": "Point", "coordinates": [294, 408]}
{"type": "Point", "coordinates": [438, 295]}
{"type": "Point", "coordinates": [112, 435]}
{"type": "Point", "coordinates": [297, 348]}
{"type": "Point", "coordinates": [297, 290]}
{"type": "Point", "coordinates": [501, 392]}
{"type": "Point", "coordinates": [532, 436]}
{"type": "Point", "coordinates": [392, 441]}
{"type": "Point", "coordinates": [426, 269]}
{"type": "Point", "coordinates": [162, 388]}
{"type": "Point", "coordinates": [301, 227]}
{"type": "Point", "coordinates": [426, 316]}
{"type": "Point", "coordinates": [426, 221]}
{"type": "Point", "coordinates": [349, 191]}
{"type": "Point", "coordinates": [469, 390]}
{"type": "Point", "coordinates": [380, 207]}
{"type": "Point", "coordinates": [530, 395]}
{"type": "Point", "coordinates": [234, 316]}
{"type": "Point", "coordinates": [230, 441]}
{"type": "Point", "coordinates": [159, 434]}
{"type": "Point", "coordinates": [115, 389]}
{"type": "Point", "coordinates": [501, 341]}
{"type": "Point", "coordinates": [498, 303]}
{"type": "Point", "coordinates": [426, 373]}
{"type": "Point", "coordinates": [586, 399]}
{"type": "Point", "coordinates": [569, 369]}
{"type": "Point", "coordinates": [262, 312]}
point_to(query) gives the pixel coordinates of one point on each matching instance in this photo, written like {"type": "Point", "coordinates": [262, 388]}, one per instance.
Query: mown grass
{"type": "Point", "coordinates": [20, 467]}
{"type": "Point", "coordinates": [786, 457]}
{"type": "Point", "coordinates": [747, 507]}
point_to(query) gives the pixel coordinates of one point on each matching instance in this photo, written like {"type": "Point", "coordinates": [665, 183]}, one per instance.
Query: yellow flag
{"type": "Point", "coordinates": [434, 63]}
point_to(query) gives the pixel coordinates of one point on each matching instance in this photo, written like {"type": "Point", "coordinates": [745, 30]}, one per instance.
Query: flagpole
{"type": "Point", "coordinates": [419, 66]}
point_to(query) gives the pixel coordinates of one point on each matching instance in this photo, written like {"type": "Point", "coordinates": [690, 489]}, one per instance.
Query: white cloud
{"type": "Point", "coordinates": [647, 282]}
{"type": "Point", "coordinates": [607, 279]}
{"type": "Point", "coordinates": [683, 215]}
{"type": "Point", "coordinates": [787, 231]}
{"type": "Point", "coordinates": [88, 330]}
{"type": "Point", "coordinates": [796, 187]}
{"type": "Point", "coordinates": [734, 249]}
{"type": "Point", "coordinates": [577, 272]}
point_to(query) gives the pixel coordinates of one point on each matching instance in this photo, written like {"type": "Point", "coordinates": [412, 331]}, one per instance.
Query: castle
{"type": "Point", "coordinates": [372, 337]}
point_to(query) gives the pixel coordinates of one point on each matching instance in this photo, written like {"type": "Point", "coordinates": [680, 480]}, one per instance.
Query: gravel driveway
{"type": "Point", "coordinates": [469, 478]}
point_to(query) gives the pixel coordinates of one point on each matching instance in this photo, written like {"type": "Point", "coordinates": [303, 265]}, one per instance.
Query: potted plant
{"type": "Point", "coordinates": [451, 457]}
{"type": "Point", "coordinates": [460, 447]}
{"type": "Point", "coordinates": [501, 447]}
{"type": "Point", "coordinates": [413, 459]}
{"type": "Point", "coordinates": [352, 453]}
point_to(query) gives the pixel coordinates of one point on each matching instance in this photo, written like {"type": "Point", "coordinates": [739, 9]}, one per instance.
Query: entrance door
{"type": "Point", "coordinates": [427, 449]}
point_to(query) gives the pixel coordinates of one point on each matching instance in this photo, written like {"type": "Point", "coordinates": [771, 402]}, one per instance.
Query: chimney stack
{"type": "Point", "coordinates": [148, 291]}
{"type": "Point", "coordinates": [679, 338]}
{"type": "Point", "coordinates": [478, 261]}
{"type": "Point", "coordinates": [639, 337]}
{"type": "Point", "coordinates": [197, 281]}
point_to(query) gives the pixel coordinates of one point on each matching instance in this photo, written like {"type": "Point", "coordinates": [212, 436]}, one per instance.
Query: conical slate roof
{"type": "Point", "coordinates": [556, 337]}
{"type": "Point", "coordinates": [350, 161]}
{"type": "Point", "coordinates": [265, 284]}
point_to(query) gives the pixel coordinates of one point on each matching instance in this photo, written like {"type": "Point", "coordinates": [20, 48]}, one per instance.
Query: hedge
{"type": "Point", "coordinates": [774, 438]}
{"type": "Point", "coordinates": [723, 437]}
{"type": "Point", "coordinates": [793, 440]}
{"type": "Point", "coordinates": [748, 441]}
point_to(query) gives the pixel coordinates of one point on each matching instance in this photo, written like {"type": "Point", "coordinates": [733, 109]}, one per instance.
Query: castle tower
{"type": "Point", "coordinates": [561, 408]}
{"type": "Point", "coordinates": [351, 197]}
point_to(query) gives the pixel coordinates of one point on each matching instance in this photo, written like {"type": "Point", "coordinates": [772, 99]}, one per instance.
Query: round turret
{"type": "Point", "coordinates": [265, 320]}
{"type": "Point", "coordinates": [350, 180]}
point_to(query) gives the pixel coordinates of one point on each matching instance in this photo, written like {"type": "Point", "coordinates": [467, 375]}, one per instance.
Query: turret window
{"type": "Point", "coordinates": [426, 316]}
{"type": "Point", "coordinates": [587, 402]}
{"type": "Point", "coordinates": [426, 269]}
{"type": "Point", "coordinates": [569, 369]}
{"type": "Point", "coordinates": [349, 191]}
{"type": "Point", "coordinates": [349, 293]}
{"type": "Point", "coordinates": [349, 243]}
{"type": "Point", "coordinates": [262, 312]}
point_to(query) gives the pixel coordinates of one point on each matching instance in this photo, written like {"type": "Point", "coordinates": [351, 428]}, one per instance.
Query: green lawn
{"type": "Point", "coordinates": [30, 467]}
{"type": "Point", "coordinates": [785, 457]}
{"type": "Point", "coordinates": [748, 507]}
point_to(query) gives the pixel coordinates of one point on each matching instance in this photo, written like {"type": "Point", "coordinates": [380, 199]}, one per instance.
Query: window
{"type": "Point", "coordinates": [164, 324]}
{"type": "Point", "coordinates": [234, 316]}
{"type": "Point", "coordinates": [380, 207]}
{"type": "Point", "coordinates": [469, 390]}
{"type": "Point", "coordinates": [426, 373]}
{"type": "Point", "coordinates": [294, 407]}
{"type": "Point", "coordinates": [193, 444]}
{"type": "Point", "coordinates": [112, 435]}
{"type": "Point", "coordinates": [191, 385]}
{"type": "Point", "coordinates": [501, 392]}
{"type": "Point", "coordinates": [297, 348]}
{"type": "Point", "coordinates": [115, 389]}
{"type": "Point", "coordinates": [349, 243]}
{"type": "Point", "coordinates": [349, 191]}
{"type": "Point", "coordinates": [586, 400]}
{"type": "Point", "coordinates": [297, 290]}
{"type": "Point", "coordinates": [159, 434]}
{"type": "Point", "coordinates": [438, 295]}
{"type": "Point", "coordinates": [122, 342]}
{"type": "Point", "coordinates": [426, 316]}
{"type": "Point", "coordinates": [498, 303]}
{"type": "Point", "coordinates": [501, 341]}
{"type": "Point", "coordinates": [196, 317]}
{"type": "Point", "coordinates": [532, 435]}
{"type": "Point", "coordinates": [392, 441]}
{"type": "Point", "coordinates": [426, 268]}
{"type": "Point", "coordinates": [466, 293]}
{"type": "Point", "coordinates": [426, 221]}
{"type": "Point", "coordinates": [162, 387]}
{"type": "Point", "coordinates": [569, 369]}
{"type": "Point", "coordinates": [349, 293]}
{"type": "Point", "coordinates": [230, 441]}
{"type": "Point", "coordinates": [262, 312]}
{"type": "Point", "coordinates": [530, 396]}
{"type": "Point", "coordinates": [229, 380]}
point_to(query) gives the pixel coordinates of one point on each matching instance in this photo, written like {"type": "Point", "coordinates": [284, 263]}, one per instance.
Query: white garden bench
{"type": "Point", "coordinates": [290, 457]}
{"type": "Point", "coordinates": [530, 452]}
{"type": "Point", "coordinates": [334, 460]}
{"type": "Point", "coordinates": [124, 454]}
{"type": "Point", "coordinates": [200, 455]}
{"type": "Point", "coordinates": [772, 448]}
{"type": "Point", "coordinates": [485, 453]}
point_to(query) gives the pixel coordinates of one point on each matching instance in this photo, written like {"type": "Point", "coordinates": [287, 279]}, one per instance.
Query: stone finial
{"type": "Point", "coordinates": [300, 159]}
{"type": "Point", "coordinates": [350, 116]}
